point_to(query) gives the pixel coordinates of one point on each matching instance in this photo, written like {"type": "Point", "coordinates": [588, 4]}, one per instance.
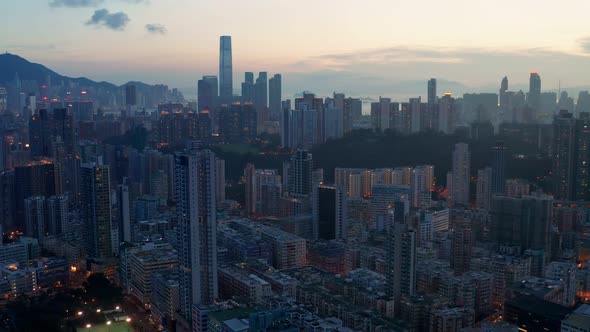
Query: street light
{"type": "Point", "coordinates": [88, 326]}
{"type": "Point", "coordinates": [97, 310]}
{"type": "Point", "coordinates": [80, 313]}
{"type": "Point", "coordinates": [109, 322]}
{"type": "Point", "coordinates": [128, 319]}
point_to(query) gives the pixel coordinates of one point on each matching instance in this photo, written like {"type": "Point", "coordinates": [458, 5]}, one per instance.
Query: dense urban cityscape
{"type": "Point", "coordinates": [133, 208]}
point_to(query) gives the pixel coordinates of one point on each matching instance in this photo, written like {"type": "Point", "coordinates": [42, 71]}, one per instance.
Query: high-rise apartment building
{"type": "Point", "coordinates": [564, 144]}
{"type": "Point", "coordinates": [498, 167]}
{"type": "Point", "coordinates": [96, 209]}
{"type": "Point", "coordinates": [300, 180]}
{"type": "Point", "coordinates": [582, 159]}
{"type": "Point", "coordinates": [225, 69]}
{"type": "Point", "coordinates": [196, 233]}
{"type": "Point", "coordinates": [483, 193]}
{"type": "Point", "coordinates": [401, 262]}
{"type": "Point", "coordinates": [275, 96]}
{"type": "Point", "coordinates": [461, 170]}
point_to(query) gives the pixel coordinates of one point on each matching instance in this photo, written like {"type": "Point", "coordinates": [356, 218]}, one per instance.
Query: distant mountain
{"type": "Point", "coordinates": [21, 75]}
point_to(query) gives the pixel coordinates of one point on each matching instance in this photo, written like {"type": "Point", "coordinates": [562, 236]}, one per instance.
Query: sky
{"type": "Point", "coordinates": [363, 48]}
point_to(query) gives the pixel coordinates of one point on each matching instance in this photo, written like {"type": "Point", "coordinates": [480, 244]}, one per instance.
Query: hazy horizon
{"type": "Point", "coordinates": [327, 46]}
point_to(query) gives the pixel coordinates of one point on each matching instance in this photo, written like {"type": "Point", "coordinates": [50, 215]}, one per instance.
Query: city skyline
{"type": "Point", "coordinates": [152, 42]}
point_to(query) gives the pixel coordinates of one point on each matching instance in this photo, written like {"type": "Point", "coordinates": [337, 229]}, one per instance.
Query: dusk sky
{"type": "Point", "coordinates": [372, 47]}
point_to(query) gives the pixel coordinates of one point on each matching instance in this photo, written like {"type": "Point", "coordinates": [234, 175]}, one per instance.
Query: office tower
{"type": "Point", "coordinates": [225, 69]}
{"type": "Point", "coordinates": [35, 217]}
{"type": "Point", "coordinates": [582, 159]}
{"type": "Point", "coordinates": [219, 181]}
{"type": "Point", "coordinates": [207, 93]}
{"type": "Point", "coordinates": [523, 221]}
{"type": "Point", "coordinates": [333, 123]}
{"type": "Point", "coordinates": [432, 92]}
{"type": "Point", "coordinates": [563, 160]}
{"type": "Point", "coordinates": [504, 100]}
{"type": "Point", "coordinates": [534, 96]}
{"type": "Point", "coordinates": [275, 96]}
{"type": "Point", "coordinates": [483, 194]}
{"type": "Point", "coordinates": [248, 91]}
{"type": "Point", "coordinates": [33, 179]}
{"type": "Point", "coordinates": [461, 170]}
{"type": "Point", "coordinates": [96, 209]}
{"type": "Point", "coordinates": [329, 213]}
{"type": "Point", "coordinates": [250, 196]}
{"type": "Point", "coordinates": [498, 167]}
{"type": "Point", "coordinates": [447, 117]}
{"type": "Point", "coordinates": [197, 235]}
{"type": "Point", "coordinates": [462, 243]}
{"type": "Point", "coordinates": [130, 95]}
{"type": "Point", "coordinates": [261, 99]}
{"type": "Point", "coordinates": [300, 174]}
{"type": "Point", "coordinates": [237, 123]}
{"type": "Point", "coordinates": [401, 262]}
{"type": "Point", "coordinates": [124, 213]}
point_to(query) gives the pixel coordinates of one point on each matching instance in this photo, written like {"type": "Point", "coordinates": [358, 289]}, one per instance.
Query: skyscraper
{"type": "Point", "coordinates": [498, 167]}
{"type": "Point", "coordinates": [274, 96]}
{"type": "Point", "coordinates": [523, 221]}
{"type": "Point", "coordinates": [250, 186]}
{"type": "Point", "coordinates": [248, 88]}
{"type": "Point", "coordinates": [401, 262]}
{"type": "Point", "coordinates": [207, 93]}
{"type": "Point", "coordinates": [96, 209]}
{"type": "Point", "coordinates": [197, 241]}
{"type": "Point", "coordinates": [261, 99]}
{"type": "Point", "coordinates": [300, 174]}
{"type": "Point", "coordinates": [225, 69]}
{"type": "Point", "coordinates": [483, 194]}
{"type": "Point", "coordinates": [124, 213]}
{"type": "Point", "coordinates": [504, 100]}
{"type": "Point", "coordinates": [432, 92]}
{"type": "Point", "coordinates": [564, 126]}
{"type": "Point", "coordinates": [461, 170]}
{"type": "Point", "coordinates": [329, 213]}
{"type": "Point", "coordinates": [462, 243]}
{"type": "Point", "coordinates": [130, 95]}
{"type": "Point", "coordinates": [447, 116]}
{"type": "Point", "coordinates": [534, 96]}
{"type": "Point", "coordinates": [582, 179]}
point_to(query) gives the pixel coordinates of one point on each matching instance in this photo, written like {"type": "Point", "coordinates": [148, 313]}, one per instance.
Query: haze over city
{"type": "Point", "coordinates": [372, 48]}
{"type": "Point", "coordinates": [294, 166]}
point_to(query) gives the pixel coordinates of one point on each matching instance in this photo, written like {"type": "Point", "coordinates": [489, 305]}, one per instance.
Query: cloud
{"type": "Point", "coordinates": [75, 3]}
{"type": "Point", "coordinates": [156, 28]}
{"type": "Point", "coordinates": [114, 21]}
